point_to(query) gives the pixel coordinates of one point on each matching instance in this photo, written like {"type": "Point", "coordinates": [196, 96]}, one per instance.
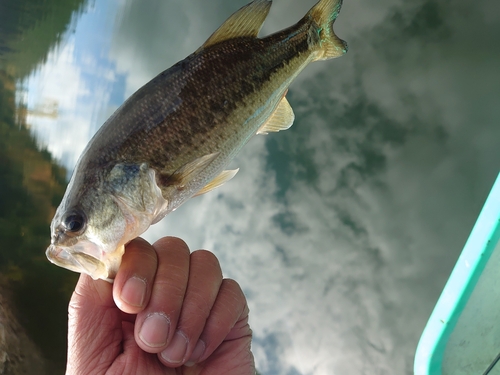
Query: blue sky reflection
{"type": "Point", "coordinates": [342, 230]}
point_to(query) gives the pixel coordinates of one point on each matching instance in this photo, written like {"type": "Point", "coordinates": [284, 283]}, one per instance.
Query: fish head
{"type": "Point", "coordinates": [98, 216]}
{"type": "Point", "coordinates": [88, 235]}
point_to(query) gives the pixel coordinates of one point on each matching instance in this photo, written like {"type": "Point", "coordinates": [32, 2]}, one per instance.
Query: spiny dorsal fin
{"type": "Point", "coordinates": [281, 119]}
{"type": "Point", "coordinates": [222, 178]}
{"type": "Point", "coordinates": [245, 22]}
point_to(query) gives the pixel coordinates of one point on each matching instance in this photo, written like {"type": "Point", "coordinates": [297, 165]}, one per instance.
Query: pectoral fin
{"type": "Point", "coordinates": [189, 171]}
{"type": "Point", "coordinates": [222, 178]}
{"type": "Point", "coordinates": [281, 119]}
{"type": "Point", "coordinates": [246, 22]}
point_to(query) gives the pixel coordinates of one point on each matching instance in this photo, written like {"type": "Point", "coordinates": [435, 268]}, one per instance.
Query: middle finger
{"type": "Point", "coordinates": [155, 326]}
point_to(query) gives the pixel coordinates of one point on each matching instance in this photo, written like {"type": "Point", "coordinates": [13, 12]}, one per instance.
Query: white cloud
{"type": "Point", "coordinates": [66, 98]}
{"type": "Point", "coordinates": [341, 272]}
{"type": "Point", "coordinates": [351, 292]}
{"type": "Point", "coordinates": [59, 81]}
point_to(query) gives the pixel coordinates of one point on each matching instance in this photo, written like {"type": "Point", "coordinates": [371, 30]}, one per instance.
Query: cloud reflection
{"type": "Point", "coordinates": [343, 229]}
{"type": "Point", "coordinates": [66, 135]}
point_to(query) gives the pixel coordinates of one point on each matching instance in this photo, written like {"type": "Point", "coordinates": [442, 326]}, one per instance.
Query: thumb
{"type": "Point", "coordinates": [94, 328]}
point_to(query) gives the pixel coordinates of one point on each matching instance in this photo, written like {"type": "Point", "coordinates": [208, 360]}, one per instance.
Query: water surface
{"type": "Point", "coordinates": [341, 231]}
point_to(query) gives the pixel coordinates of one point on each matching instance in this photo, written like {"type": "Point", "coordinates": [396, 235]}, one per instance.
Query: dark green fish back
{"type": "Point", "coordinates": [183, 108]}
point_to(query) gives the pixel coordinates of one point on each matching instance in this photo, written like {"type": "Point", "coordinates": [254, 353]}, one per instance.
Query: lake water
{"type": "Point", "coordinates": [341, 231]}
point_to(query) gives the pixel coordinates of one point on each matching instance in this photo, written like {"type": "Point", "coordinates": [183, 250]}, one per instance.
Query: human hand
{"type": "Point", "coordinates": [168, 312]}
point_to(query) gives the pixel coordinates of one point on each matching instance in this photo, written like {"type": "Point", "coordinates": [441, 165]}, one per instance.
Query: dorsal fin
{"type": "Point", "coordinates": [245, 22]}
{"type": "Point", "coordinates": [281, 119]}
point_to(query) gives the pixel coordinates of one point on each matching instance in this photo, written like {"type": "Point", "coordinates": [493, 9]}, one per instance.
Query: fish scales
{"type": "Point", "coordinates": [176, 134]}
{"type": "Point", "coordinates": [204, 111]}
{"type": "Point", "coordinates": [200, 123]}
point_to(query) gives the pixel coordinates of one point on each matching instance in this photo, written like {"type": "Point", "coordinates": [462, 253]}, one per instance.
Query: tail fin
{"type": "Point", "coordinates": [323, 15]}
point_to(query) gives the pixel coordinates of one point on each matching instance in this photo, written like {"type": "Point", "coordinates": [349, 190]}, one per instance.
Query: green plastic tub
{"type": "Point", "coordinates": [462, 336]}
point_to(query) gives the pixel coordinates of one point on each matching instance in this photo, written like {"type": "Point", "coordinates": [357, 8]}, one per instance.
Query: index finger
{"type": "Point", "coordinates": [134, 280]}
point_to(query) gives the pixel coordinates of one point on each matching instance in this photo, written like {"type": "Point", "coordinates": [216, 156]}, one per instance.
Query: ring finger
{"type": "Point", "coordinates": [205, 278]}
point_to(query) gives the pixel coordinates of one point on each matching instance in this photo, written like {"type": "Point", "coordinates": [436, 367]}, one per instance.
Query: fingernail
{"type": "Point", "coordinates": [198, 351]}
{"type": "Point", "coordinates": [134, 291]}
{"type": "Point", "coordinates": [176, 350]}
{"type": "Point", "coordinates": [154, 330]}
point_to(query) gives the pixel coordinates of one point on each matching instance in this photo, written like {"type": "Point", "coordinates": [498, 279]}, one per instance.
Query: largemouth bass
{"type": "Point", "coordinates": [172, 139]}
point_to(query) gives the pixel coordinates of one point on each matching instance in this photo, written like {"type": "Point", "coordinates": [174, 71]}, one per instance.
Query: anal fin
{"type": "Point", "coordinates": [222, 178]}
{"type": "Point", "coordinates": [281, 119]}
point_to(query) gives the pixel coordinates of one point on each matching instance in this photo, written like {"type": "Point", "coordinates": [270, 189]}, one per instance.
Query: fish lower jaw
{"type": "Point", "coordinates": [105, 269]}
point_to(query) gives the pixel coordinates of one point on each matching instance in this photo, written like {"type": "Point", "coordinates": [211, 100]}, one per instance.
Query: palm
{"type": "Point", "coordinates": [231, 357]}
{"type": "Point", "coordinates": [103, 339]}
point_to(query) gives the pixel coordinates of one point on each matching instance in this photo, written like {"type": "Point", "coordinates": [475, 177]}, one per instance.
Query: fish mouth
{"type": "Point", "coordinates": [78, 262]}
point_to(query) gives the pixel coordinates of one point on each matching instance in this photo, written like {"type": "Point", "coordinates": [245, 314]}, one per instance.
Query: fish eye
{"type": "Point", "coordinates": [74, 222]}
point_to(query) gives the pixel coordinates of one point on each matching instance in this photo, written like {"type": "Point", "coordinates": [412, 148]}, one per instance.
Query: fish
{"type": "Point", "coordinates": [173, 138]}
